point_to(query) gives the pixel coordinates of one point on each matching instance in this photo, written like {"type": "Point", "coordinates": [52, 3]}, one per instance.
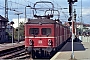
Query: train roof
{"type": "Point", "coordinates": [43, 21]}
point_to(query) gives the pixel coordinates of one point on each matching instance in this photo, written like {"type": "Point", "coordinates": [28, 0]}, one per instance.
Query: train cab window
{"type": "Point", "coordinates": [34, 31]}
{"type": "Point", "coordinates": [46, 31]}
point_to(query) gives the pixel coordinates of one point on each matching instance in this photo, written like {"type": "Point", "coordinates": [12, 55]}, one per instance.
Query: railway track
{"type": "Point", "coordinates": [14, 53]}
{"type": "Point", "coordinates": [17, 53]}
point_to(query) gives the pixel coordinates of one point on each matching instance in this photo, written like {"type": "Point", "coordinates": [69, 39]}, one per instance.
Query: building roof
{"type": "Point", "coordinates": [44, 21]}
{"type": "Point", "coordinates": [77, 23]}
{"type": "Point", "coordinates": [3, 19]}
{"type": "Point", "coordinates": [84, 24]}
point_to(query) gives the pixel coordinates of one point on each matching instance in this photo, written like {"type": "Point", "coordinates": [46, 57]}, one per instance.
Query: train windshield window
{"type": "Point", "coordinates": [46, 31]}
{"type": "Point", "coordinates": [34, 31]}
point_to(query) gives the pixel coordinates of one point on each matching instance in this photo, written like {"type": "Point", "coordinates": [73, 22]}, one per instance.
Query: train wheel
{"type": "Point", "coordinates": [33, 54]}
{"type": "Point", "coordinates": [42, 53]}
{"type": "Point", "coordinates": [52, 53]}
{"type": "Point", "coordinates": [37, 54]}
{"type": "Point", "coordinates": [57, 49]}
{"type": "Point", "coordinates": [47, 54]}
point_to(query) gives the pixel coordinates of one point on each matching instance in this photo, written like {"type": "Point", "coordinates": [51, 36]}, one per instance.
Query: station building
{"type": "Point", "coordinates": [3, 26]}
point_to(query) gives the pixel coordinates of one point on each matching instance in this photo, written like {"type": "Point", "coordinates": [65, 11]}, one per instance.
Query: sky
{"type": "Point", "coordinates": [19, 5]}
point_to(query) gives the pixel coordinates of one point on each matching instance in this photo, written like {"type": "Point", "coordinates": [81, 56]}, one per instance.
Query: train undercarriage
{"type": "Point", "coordinates": [43, 52]}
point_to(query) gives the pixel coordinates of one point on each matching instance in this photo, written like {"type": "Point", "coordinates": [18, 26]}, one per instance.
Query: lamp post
{"type": "Point", "coordinates": [18, 23]}
{"type": "Point", "coordinates": [12, 31]}
{"type": "Point", "coordinates": [25, 12]}
{"type": "Point", "coordinates": [81, 26]}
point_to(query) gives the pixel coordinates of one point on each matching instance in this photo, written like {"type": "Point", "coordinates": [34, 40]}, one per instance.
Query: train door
{"type": "Point", "coordinates": [60, 34]}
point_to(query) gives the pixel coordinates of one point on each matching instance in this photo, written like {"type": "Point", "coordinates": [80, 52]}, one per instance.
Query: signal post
{"type": "Point", "coordinates": [71, 18]}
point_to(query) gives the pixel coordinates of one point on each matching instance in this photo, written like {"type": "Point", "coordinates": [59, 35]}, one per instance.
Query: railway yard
{"type": "Point", "coordinates": [45, 36]}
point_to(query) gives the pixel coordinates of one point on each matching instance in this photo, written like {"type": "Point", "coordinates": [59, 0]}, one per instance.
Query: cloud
{"type": "Point", "coordinates": [86, 11]}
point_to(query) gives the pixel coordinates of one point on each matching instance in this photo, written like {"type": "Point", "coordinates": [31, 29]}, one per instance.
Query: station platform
{"type": "Point", "coordinates": [6, 46]}
{"type": "Point", "coordinates": [81, 51]}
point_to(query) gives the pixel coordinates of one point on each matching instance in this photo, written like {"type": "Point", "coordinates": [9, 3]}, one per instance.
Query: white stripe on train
{"type": "Point", "coordinates": [39, 37]}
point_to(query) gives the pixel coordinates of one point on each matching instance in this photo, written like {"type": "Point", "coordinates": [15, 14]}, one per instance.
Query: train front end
{"type": "Point", "coordinates": [39, 36]}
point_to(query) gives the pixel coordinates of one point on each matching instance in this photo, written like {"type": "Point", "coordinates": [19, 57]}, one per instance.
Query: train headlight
{"type": "Point", "coordinates": [30, 42]}
{"type": "Point", "coordinates": [49, 42]}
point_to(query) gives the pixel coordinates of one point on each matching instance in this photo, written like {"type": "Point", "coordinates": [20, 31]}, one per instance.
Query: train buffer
{"type": "Point", "coordinates": [81, 51]}
{"type": "Point", "coordinates": [10, 45]}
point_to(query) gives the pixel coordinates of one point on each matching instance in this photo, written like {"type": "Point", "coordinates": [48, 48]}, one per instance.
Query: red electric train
{"type": "Point", "coordinates": [43, 35]}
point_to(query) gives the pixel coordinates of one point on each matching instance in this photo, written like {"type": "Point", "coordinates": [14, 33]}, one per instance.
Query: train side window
{"type": "Point", "coordinates": [46, 31]}
{"type": "Point", "coordinates": [34, 31]}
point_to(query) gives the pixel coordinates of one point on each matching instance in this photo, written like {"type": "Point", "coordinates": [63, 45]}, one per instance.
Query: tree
{"type": "Point", "coordinates": [21, 31]}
